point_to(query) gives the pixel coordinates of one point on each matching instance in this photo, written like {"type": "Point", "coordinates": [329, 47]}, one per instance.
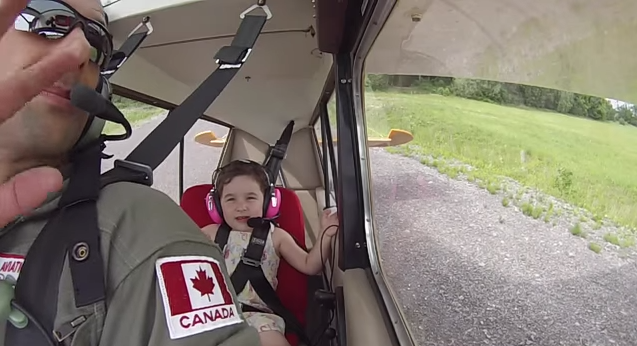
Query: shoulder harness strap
{"type": "Point", "coordinates": [74, 233]}
{"type": "Point", "coordinates": [223, 233]}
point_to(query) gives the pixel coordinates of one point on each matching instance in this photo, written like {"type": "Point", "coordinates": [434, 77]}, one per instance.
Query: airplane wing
{"type": "Point", "coordinates": [394, 138]}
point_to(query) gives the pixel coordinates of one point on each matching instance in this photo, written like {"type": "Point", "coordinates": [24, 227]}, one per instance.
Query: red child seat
{"type": "Point", "coordinates": [292, 287]}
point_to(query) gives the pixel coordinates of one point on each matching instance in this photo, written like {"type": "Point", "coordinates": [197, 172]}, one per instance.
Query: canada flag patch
{"type": "Point", "coordinates": [195, 295]}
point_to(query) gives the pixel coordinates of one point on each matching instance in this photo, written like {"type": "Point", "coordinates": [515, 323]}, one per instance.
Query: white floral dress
{"type": "Point", "coordinates": [237, 242]}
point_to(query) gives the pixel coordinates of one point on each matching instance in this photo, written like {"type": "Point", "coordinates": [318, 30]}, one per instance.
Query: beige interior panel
{"type": "Point", "coordinates": [226, 151]}
{"type": "Point", "coordinates": [364, 320]}
{"type": "Point", "coordinates": [246, 146]}
{"type": "Point", "coordinates": [299, 167]}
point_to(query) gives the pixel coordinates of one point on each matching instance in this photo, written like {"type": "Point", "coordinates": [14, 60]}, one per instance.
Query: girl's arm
{"type": "Point", "coordinates": [210, 231]}
{"type": "Point", "coordinates": [309, 263]}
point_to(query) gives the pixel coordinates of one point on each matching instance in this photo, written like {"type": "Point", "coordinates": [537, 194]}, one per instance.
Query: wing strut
{"type": "Point", "coordinates": [154, 149]}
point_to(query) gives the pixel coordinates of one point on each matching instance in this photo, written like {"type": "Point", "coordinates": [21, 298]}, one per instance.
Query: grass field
{"type": "Point", "coordinates": [587, 163]}
{"type": "Point", "coordinates": [135, 112]}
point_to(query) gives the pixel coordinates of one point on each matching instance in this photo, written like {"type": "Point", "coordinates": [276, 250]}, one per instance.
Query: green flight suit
{"type": "Point", "coordinates": [140, 226]}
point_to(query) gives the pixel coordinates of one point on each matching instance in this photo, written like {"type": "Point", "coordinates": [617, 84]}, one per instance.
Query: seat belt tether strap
{"type": "Point", "coordinates": [154, 149]}
{"type": "Point", "coordinates": [73, 234]}
{"type": "Point", "coordinates": [129, 47]}
{"type": "Point", "coordinates": [250, 269]}
{"type": "Point", "coordinates": [278, 151]}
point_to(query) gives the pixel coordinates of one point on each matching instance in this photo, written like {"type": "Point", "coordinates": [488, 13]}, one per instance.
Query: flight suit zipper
{"type": "Point", "coordinates": [67, 329]}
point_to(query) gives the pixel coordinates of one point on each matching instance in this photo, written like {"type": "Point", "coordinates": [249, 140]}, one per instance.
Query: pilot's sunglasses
{"type": "Point", "coordinates": [54, 19]}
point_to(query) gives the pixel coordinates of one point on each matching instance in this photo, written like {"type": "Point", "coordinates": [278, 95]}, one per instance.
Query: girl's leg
{"type": "Point", "coordinates": [273, 338]}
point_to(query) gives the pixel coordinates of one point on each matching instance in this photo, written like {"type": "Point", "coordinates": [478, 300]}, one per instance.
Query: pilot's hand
{"type": "Point", "coordinates": [29, 189]}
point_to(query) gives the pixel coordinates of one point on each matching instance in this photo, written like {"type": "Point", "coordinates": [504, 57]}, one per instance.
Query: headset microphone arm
{"type": "Point", "coordinates": [96, 105]}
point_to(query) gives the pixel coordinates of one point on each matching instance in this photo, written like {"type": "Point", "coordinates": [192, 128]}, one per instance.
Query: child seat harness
{"type": "Point", "coordinates": [249, 268]}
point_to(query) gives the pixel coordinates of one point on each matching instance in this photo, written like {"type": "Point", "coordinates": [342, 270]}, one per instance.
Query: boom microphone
{"type": "Point", "coordinates": [256, 222]}
{"type": "Point", "coordinates": [96, 105]}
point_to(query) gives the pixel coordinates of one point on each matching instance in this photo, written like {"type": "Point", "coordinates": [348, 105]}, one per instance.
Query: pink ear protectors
{"type": "Point", "coordinates": [213, 211]}
{"type": "Point", "coordinates": [272, 210]}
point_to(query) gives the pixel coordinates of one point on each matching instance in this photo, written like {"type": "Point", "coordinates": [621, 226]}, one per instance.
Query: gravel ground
{"type": "Point", "coordinates": [469, 271]}
{"type": "Point", "coordinates": [465, 269]}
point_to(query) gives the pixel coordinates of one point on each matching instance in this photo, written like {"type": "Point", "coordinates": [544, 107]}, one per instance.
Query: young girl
{"type": "Point", "coordinates": [241, 187]}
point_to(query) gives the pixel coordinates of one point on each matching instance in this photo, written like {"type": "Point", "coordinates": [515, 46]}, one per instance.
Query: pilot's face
{"type": "Point", "coordinates": [49, 125]}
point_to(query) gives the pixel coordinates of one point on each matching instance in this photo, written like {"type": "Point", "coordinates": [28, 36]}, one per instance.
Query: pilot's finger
{"type": "Point", "coordinates": [24, 84]}
{"type": "Point", "coordinates": [26, 191]}
{"type": "Point", "coordinates": [9, 10]}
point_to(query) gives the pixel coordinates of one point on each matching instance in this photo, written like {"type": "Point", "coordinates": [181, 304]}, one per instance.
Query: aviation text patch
{"type": "Point", "coordinates": [10, 266]}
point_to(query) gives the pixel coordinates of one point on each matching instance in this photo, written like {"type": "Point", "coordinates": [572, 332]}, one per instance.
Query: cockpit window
{"type": "Point", "coordinates": [508, 203]}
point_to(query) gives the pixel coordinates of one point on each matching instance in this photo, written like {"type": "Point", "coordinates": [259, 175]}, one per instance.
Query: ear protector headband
{"type": "Point", "coordinates": [271, 197]}
{"type": "Point", "coordinates": [94, 126]}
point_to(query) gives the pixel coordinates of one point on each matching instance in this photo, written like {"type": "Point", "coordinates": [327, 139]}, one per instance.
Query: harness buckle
{"type": "Point", "coordinates": [250, 262]}
{"type": "Point", "coordinates": [138, 168]}
{"type": "Point", "coordinates": [278, 151]}
{"type": "Point", "coordinates": [232, 57]}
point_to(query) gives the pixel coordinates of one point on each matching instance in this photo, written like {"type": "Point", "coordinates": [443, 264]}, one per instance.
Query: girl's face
{"type": "Point", "coordinates": [241, 199]}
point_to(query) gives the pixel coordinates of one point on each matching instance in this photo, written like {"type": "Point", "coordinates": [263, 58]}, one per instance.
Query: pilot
{"type": "Point", "coordinates": [165, 283]}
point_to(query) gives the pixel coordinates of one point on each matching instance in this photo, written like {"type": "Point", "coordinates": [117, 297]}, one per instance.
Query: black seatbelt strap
{"type": "Point", "coordinates": [330, 143]}
{"type": "Point", "coordinates": [154, 149]}
{"type": "Point", "coordinates": [127, 49]}
{"type": "Point", "coordinates": [278, 151]}
{"type": "Point", "coordinates": [221, 238]}
{"type": "Point", "coordinates": [84, 250]}
{"type": "Point", "coordinates": [72, 233]}
{"type": "Point", "coordinates": [251, 259]}
{"type": "Point", "coordinates": [249, 269]}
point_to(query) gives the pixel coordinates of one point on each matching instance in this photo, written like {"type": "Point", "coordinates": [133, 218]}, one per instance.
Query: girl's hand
{"type": "Point", "coordinates": [329, 223]}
